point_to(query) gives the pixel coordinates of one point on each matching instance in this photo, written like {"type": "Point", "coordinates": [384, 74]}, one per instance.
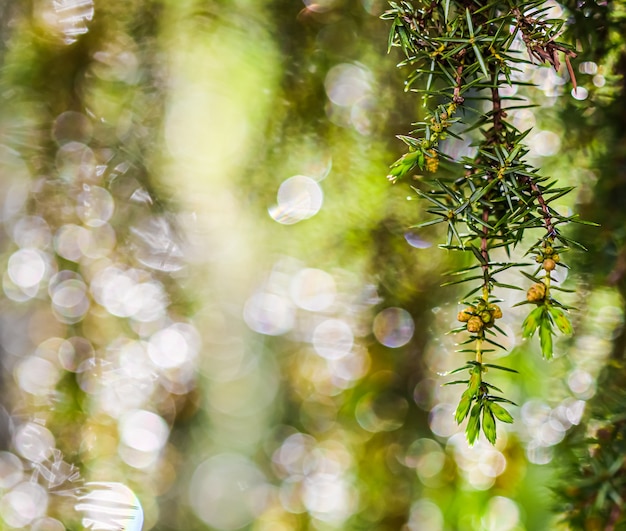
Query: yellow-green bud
{"type": "Point", "coordinates": [496, 312]}
{"type": "Point", "coordinates": [536, 292]}
{"type": "Point", "coordinates": [466, 314]}
{"type": "Point", "coordinates": [475, 324]}
{"type": "Point", "coordinates": [432, 162]}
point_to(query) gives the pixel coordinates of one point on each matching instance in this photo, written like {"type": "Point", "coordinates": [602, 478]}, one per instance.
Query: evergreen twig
{"type": "Point", "coordinates": [465, 52]}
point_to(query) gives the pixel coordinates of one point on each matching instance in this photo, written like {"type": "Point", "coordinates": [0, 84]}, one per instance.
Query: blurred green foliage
{"type": "Point", "coordinates": [212, 296]}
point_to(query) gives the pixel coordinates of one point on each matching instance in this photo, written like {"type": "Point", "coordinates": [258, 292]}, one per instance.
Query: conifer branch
{"type": "Point", "coordinates": [454, 47]}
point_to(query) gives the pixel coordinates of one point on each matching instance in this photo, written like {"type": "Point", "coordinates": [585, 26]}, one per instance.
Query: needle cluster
{"type": "Point", "coordinates": [460, 56]}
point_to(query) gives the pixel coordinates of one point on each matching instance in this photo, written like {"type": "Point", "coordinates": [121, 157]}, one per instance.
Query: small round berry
{"type": "Point", "coordinates": [549, 264]}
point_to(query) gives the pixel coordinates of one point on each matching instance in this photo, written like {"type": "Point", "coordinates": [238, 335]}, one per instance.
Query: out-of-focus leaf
{"type": "Point", "coordinates": [532, 321]}
{"type": "Point", "coordinates": [489, 424]}
{"type": "Point", "coordinates": [473, 426]}
{"type": "Point", "coordinates": [500, 413]}
{"type": "Point", "coordinates": [561, 320]}
{"type": "Point", "coordinates": [475, 380]}
{"type": "Point", "coordinates": [545, 338]}
{"type": "Point", "coordinates": [463, 408]}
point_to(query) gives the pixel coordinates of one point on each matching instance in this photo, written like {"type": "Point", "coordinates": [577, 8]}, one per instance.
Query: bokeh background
{"type": "Point", "coordinates": [213, 302]}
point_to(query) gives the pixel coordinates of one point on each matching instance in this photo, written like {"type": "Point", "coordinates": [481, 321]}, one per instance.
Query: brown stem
{"type": "Point", "coordinates": [545, 211]}
{"type": "Point", "coordinates": [456, 97]}
{"type": "Point", "coordinates": [571, 71]}
{"type": "Point", "coordinates": [495, 137]}
{"type": "Point", "coordinates": [497, 107]}
{"type": "Point", "coordinates": [546, 51]}
{"type": "Point", "coordinates": [498, 114]}
{"type": "Point", "coordinates": [484, 251]}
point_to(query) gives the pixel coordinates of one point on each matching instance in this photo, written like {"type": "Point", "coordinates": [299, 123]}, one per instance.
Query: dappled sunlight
{"type": "Point", "coordinates": [217, 313]}
{"type": "Point", "coordinates": [298, 198]}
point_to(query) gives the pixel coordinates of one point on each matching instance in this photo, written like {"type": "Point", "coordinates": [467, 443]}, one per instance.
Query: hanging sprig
{"type": "Point", "coordinates": [458, 54]}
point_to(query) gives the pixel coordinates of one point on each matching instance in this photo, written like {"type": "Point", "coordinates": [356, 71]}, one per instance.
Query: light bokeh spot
{"type": "Point", "coordinates": [72, 126]}
{"type": "Point", "coordinates": [328, 497]}
{"type": "Point", "coordinates": [425, 514]}
{"type": "Point", "coordinates": [299, 198]}
{"type": "Point", "coordinates": [47, 524]}
{"type": "Point", "coordinates": [227, 492]}
{"type": "Point", "coordinates": [502, 514]}
{"type": "Point", "coordinates": [333, 339]}
{"type": "Point", "coordinates": [26, 268]}
{"type": "Point", "coordinates": [95, 206]}
{"type": "Point", "coordinates": [580, 93]}
{"type": "Point", "coordinates": [347, 83]}
{"type": "Point", "coordinates": [108, 506]}
{"type": "Point", "coordinates": [76, 162]}
{"type": "Point", "coordinates": [67, 241]}
{"type": "Point", "coordinates": [34, 442]}
{"type": "Point", "coordinates": [24, 503]}
{"type": "Point", "coordinates": [268, 313]}
{"type": "Point", "coordinates": [426, 456]}
{"type": "Point", "coordinates": [69, 300]}
{"type": "Point", "coordinates": [393, 327]}
{"type": "Point", "coordinates": [36, 375]}
{"type": "Point", "coordinates": [414, 240]}
{"type": "Point", "coordinates": [31, 232]}
{"type": "Point", "coordinates": [377, 412]}
{"type": "Point", "coordinates": [157, 244]}
{"type": "Point", "coordinates": [173, 346]}
{"type": "Point", "coordinates": [11, 470]}
{"type": "Point", "coordinates": [143, 430]}
{"type": "Point", "coordinates": [313, 289]}
{"type": "Point", "coordinates": [545, 143]}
